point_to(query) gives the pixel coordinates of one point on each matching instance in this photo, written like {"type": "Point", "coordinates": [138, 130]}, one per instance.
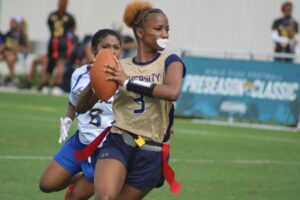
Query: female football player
{"type": "Point", "coordinates": [61, 170]}
{"type": "Point", "coordinates": [130, 162]}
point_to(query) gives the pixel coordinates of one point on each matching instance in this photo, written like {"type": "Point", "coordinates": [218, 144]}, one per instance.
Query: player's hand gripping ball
{"type": "Point", "coordinates": [103, 89]}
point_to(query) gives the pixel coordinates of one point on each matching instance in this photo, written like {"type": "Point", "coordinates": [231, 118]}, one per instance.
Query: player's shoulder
{"type": "Point", "coordinates": [80, 77]}
{"type": "Point", "coordinates": [84, 69]}
{"type": "Point", "coordinates": [166, 55]}
{"type": "Point", "coordinates": [170, 57]}
{"type": "Point", "coordinates": [81, 72]}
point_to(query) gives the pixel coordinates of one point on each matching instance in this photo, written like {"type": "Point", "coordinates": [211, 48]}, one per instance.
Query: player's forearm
{"type": "Point", "coordinates": [71, 112]}
{"type": "Point", "coordinates": [166, 92]}
{"type": "Point", "coordinates": [86, 100]}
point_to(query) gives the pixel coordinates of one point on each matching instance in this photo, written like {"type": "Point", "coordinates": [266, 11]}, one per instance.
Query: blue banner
{"type": "Point", "coordinates": [250, 90]}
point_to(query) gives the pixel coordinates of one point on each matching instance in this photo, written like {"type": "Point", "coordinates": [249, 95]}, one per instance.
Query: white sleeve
{"type": "Point", "coordinates": [80, 79]}
{"type": "Point", "coordinates": [72, 96]}
{"type": "Point", "coordinates": [277, 38]}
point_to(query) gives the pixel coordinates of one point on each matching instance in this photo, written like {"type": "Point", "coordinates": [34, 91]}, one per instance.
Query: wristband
{"type": "Point", "coordinates": [140, 87]}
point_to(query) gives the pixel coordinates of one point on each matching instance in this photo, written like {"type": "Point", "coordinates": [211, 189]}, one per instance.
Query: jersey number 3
{"type": "Point", "coordinates": [141, 101]}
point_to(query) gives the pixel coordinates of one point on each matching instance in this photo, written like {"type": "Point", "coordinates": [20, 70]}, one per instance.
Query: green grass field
{"type": "Point", "coordinates": [212, 162]}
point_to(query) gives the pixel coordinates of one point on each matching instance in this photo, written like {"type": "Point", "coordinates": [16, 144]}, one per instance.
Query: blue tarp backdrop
{"type": "Point", "coordinates": [251, 90]}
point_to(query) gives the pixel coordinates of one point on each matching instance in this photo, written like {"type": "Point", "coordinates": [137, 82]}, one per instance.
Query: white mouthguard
{"type": "Point", "coordinates": [162, 43]}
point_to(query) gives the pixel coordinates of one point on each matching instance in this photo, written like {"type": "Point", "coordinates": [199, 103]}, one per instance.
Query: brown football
{"type": "Point", "coordinates": [103, 89]}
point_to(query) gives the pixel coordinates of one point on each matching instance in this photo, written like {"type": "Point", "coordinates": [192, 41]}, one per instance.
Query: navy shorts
{"type": "Point", "coordinates": [65, 157]}
{"type": "Point", "coordinates": [144, 170]}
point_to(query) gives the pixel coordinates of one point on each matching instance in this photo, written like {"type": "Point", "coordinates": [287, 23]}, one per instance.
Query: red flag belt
{"type": "Point", "coordinates": [168, 172]}
{"type": "Point", "coordinates": [86, 152]}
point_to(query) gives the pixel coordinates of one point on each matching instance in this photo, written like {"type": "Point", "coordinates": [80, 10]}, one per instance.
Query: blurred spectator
{"type": "Point", "coordinates": [284, 32]}
{"type": "Point", "coordinates": [41, 60]}
{"type": "Point", "coordinates": [1, 46]}
{"type": "Point", "coordinates": [16, 44]}
{"type": "Point", "coordinates": [82, 54]}
{"type": "Point", "coordinates": [62, 26]}
{"type": "Point", "coordinates": [1, 54]}
{"type": "Point", "coordinates": [129, 46]}
{"type": "Point", "coordinates": [23, 28]}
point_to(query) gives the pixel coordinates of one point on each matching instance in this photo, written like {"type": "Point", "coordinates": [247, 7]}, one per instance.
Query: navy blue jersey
{"type": "Point", "coordinates": [61, 26]}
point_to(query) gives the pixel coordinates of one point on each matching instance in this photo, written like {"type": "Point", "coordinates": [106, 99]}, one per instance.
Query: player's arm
{"type": "Point", "coordinates": [169, 90]}
{"type": "Point", "coordinates": [66, 122]}
{"type": "Point", "coordinates": [86, 100]}
{"type": "Point", "coordinates": [71, 113]}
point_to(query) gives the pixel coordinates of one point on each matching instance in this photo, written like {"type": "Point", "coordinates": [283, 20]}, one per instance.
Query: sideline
{"type": "Point", "coordinates": [244, 136]}
{"type": "Point", "coordinates": [247, 125]}
{"type": "Point", "coordinates": [33, 91]}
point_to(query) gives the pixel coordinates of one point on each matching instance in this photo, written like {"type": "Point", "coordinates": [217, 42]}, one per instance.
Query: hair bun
{"type": "Point", "coordinates": [132, 9]}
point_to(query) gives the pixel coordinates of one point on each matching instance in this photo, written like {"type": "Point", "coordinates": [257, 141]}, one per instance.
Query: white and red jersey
{"type": "Point", "coordinates": [94, 121]}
